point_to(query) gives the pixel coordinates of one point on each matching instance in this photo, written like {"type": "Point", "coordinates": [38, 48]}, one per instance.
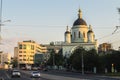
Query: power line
{"type": "Point", "coordinates": [119, 21]}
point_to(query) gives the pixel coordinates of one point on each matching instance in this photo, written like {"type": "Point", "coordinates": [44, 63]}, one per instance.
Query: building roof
{"type": "Point", "coordinates": [79, 21]}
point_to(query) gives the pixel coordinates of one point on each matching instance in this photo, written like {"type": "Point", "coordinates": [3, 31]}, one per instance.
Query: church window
{"type": "Point", "coordinates": [79, 34]}
{"type": "Point", "coordinates": [74, 35]}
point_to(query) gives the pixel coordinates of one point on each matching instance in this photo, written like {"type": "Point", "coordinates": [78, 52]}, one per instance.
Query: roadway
{"type": "Point", "coordinates": [56, 75]}
{"type": "Point", "coordinates": [6, 75]}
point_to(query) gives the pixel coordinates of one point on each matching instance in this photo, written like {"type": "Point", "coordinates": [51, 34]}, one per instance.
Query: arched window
{"type": "Point", "coordinates": [79, 34]}
{"type": "Point", "coordinates": [74, 35]}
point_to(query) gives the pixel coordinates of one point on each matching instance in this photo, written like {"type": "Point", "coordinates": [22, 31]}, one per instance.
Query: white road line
{"type": "Point", "coordinates": [7, 75]}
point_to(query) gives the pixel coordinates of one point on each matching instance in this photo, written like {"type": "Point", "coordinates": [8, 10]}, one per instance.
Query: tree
{"type": "Point", "coordinates": [51, 59]}
{"type": "Point", "coordinates": [75, 58]}
{"type": "Point", "coordinates": [55, 58]}
{"type": "Point", "coordinates": [15, 63]}
{"type": "Point", "coordinates": [91, 60]}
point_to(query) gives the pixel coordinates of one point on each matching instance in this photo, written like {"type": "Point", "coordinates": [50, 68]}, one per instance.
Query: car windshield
{"type": "Point", "coordinates": [35, 72]}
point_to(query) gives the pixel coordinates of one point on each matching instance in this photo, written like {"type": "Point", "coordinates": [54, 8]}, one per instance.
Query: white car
{"type": "Point", "coordinates": [16, 73]}
{"type": "Point", "coordinates": [35, 74]}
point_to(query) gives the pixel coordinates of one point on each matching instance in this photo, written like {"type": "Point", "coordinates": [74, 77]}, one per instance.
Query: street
{"type": "Point", "coordinates": [56, 75]}
{"type": "Point", "coordinates": [6, 75]}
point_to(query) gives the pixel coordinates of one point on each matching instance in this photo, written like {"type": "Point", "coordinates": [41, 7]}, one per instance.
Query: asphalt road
{"type": "Point", "coordinates": [6, 75]}
{"type": "Point", "coordinates": [55, 75]}
{"type": "Point", "coordinates": [79, 76]}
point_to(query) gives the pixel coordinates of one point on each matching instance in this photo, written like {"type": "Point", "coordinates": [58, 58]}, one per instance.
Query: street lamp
{"type": "Point", "coordinates": [1, 22]}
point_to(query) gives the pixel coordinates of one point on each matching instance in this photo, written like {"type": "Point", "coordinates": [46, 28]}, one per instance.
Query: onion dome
{"type": "Point", "coordinates": [67, 31]}
{"type": "Point", "coordinates": [90, 29]}
{"type": "Point", "coordinates": [79, 21]}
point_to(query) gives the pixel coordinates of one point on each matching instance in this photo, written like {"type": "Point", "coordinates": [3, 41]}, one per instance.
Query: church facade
{"type": "Point", "coordinates": [79, 35]}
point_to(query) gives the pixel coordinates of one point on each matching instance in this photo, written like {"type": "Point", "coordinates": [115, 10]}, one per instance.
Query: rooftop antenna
{"type": "Point", "coordinates": [119, 21]}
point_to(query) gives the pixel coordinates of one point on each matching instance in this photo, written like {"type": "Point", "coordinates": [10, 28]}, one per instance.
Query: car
{"type": "Point", "coordinates": [45, 69]}
{"type": "Point", "coordinates": [16, 73]}
{"type": "Point", "coordinates": [34, 68]}
{"type": "Point", "coordinates": [23, 68]}
{"type": "Point", "coordinates": [35, 74]}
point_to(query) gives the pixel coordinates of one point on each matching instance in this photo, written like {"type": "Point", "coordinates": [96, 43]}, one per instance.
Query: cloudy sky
{"type": "Point", "coordinates": [46, 20]}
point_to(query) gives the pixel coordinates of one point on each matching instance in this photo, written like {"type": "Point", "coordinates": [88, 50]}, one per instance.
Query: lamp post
{"type": "Point", "coordinates": [1, 22]}
{"type": "Point", "coordinates": [53, 58]}
{"type": "Point", "coordinates": [112, 68]}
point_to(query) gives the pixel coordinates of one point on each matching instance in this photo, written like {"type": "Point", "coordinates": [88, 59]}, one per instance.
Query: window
{"type": "Point", "coordinates": [31, 55]}
{"type": "Point", "coordinates": [32, 47]}
{"type": "Point", "coordinates": [24, 46]}
{"type": "Point", "coordinates": [20, 46]}
{"type": "Point", "coordinates": [24, 59]}
{"type": "Point", "coordinates": [79, 34]}
{"type": "Point", "coordinates": [31, 59]}
{"type": "Point", "coordinates": [20, 59]}
{"type": "Point", "coordinates": [20, 51]}
{"type": "Point", "coordinates": [20, 55]}
{"type": "Point", "coordinates": [74, 35]}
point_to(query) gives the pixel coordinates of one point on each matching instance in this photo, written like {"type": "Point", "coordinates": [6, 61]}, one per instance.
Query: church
{"type": "Point", "coordinates": [81, 35]}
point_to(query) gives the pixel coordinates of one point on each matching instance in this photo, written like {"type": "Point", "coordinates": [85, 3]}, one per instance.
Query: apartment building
{"type": "Point", "coordinates": [105, 47]}
{"type": "Point", "coordinates": [5, 59]}
{"type": "Point", "coordinates": [26, 51]}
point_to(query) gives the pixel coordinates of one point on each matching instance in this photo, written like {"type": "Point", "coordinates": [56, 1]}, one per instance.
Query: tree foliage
{"type": "Point", "coordinates": [90, 59]}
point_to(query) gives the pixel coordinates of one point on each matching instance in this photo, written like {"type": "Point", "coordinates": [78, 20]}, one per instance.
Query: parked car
{"type": "Point", "coordinates": [45, 69]}
{"type": "Point", "coordinates": [16, 73]}
{"type": "Point", "coordinates": [35, 74]}
{"type": "Point", "coordinates": [23, 68]}
{"type": "Point", "coordinates": [34, 68]}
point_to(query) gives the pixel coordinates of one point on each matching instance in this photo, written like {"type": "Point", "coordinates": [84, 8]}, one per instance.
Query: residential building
{"type": "Point", "coordinates": [15, 52]}
{"type": "Point", "coordinates": [105, 47]}
{"type": "Point", "coordinates": [5, 60]}
{"type": "Point", "coordinates": [26, 52]}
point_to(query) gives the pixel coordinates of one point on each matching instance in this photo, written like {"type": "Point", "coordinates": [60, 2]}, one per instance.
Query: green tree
{"type": "Point", "coordinates": [75, 58]}
{"type": "Point", "coordinates": [14, 62]}
{"type": "Point", "coordinates": [91, 60]}
{"type": "Point", "coordinates": [51, 59]}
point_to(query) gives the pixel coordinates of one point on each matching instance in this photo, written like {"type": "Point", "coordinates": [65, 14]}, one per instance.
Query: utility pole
{"type": "Point", "coordinates": [53, 58]}
{"type": "Point", "coordinates": [82, 63]}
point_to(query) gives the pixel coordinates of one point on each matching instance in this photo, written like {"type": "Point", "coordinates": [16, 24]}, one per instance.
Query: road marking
{"type": "Point", "coordinates": [7, 75]}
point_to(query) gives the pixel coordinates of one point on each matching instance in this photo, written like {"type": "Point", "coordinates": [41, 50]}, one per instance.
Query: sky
{"type": "Point", "coordinates": [45, 20]}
